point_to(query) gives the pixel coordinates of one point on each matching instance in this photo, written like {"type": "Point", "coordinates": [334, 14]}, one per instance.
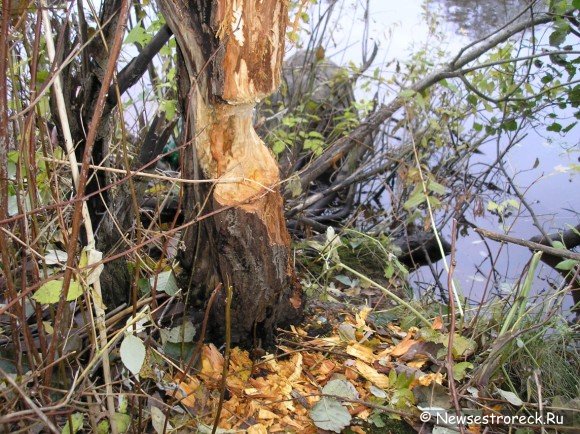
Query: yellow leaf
{"type": "Point", "coordinates": [372, 375]}
{"type": "Point", "coordinates": [360, 352]}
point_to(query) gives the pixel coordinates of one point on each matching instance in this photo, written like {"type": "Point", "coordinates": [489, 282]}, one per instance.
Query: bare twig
{"type": "Point", "coordinates": [529, 244]}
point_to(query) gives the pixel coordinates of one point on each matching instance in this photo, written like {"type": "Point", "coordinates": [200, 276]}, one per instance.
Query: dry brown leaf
{"type": "Point", "coordinates": [360, 352]}
{"type": "Point", "coordinates": [403, 346]}
{"type": "Point", "coordinates": [358, 430]}
{"type": "Point", "coordinates": [330, 341]}
{"type": "Point", "coordinates": [437, 323]}
{"type": "Point", "coordinates": [298, 331]}
{"type": "Point", "coordinates": [371, 374]}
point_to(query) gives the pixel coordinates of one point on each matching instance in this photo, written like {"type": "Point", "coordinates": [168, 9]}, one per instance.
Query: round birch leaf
{"type": "Point", "coordinates": [132, 353]}
{"type": "Point", "coordinates": [329, 414]}
{"type": "Point", "coordinates": [165, 282]}
{"type": "Point", "coordinates": [183, 333]}
{"type": "Point", "coordinates": [341, 388]}
{"type": "Point", "coordinates": [510, 397]}
{"type": "Point", "coordinates": [49, 292]}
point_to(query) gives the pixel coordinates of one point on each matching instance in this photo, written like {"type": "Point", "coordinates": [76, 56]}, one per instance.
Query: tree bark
{"type": "Point", "coordinates": [232, 51]}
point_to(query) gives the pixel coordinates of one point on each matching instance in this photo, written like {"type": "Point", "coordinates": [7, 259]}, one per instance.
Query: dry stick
{"type": "Point", "coordinates": [81, 209]}
{"type": "Point", "coordinates": [226, 358]}
{"type": "Point", "coordinates": [529, 244]}
{"type": "Point", "coordinates": [452, 296]}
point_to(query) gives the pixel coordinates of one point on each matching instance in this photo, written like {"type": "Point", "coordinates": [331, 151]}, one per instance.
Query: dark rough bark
{"type": "Point", "coordinates": [232, 53]}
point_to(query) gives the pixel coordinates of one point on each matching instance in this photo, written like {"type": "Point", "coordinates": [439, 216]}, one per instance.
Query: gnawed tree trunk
{"type": "Point", "coordinates": [232, 51]}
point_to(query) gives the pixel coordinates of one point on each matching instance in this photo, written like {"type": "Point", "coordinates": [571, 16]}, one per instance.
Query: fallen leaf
{"type": "Point", "coordinates": [371, 374]}
{"type": "Point", "coordinates": [360, 352]}
{"type": "Point", "coordinates": [403, 346]}
{"type": "Point", "coordinates": [437, 323]}
{"type": "Point", "coordinates": [257, 429]}
{"type": "Point", "coordinates": [510, 397]}
{"type": "Point", "coordinates": [340, 388]}
{"type": "Point", "coordinates": [331, 415]}
{"type": "Point", "coordinates": [460, 368]}
{"type": "Point", "coordinates": [158, 421]}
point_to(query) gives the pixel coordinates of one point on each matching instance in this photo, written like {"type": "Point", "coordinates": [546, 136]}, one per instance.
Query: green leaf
{"type": "Point", "coordinates": [123, 422]}
{"type": "Point", "coordinates": [329, 414]}
{"type": "Point", "coordinates": [278, 147]}
{"type": "Point", "coordinates": [510, 125]}
{"type": "Point", "coordinates": [183, 333]}
{"type": "Point", "coordinates": [169, 107]}
{"type": "Point", "coordinates": [132, 353]}
{"type": "Point", "coordinates": [138, 35]}
{"type": "Point", "coordinates": [49, 293]}
{"type": "Point", "coordinates": [103, 427]}
{"type": "Point", "coordinates": [435, 187]}
{"type": "Point", "coordinates": [77, 420]}
{"type": "Point", "coordinates": [166, 282]}
{"type": "Point", "coordinates": [407, 93]}
{"type": "Point", "coordinates": [558, 245]}
{"type": "Point", "coordinates": [558, 36]}
{"type": "Point", "coordinates": [460, 368]}
{"type": "Point", "coordinates": [566, 265]}
{"type": "Point", "coordinates": [576, 4]}
{"type": "Point", "coordinates": [416, 199]}
{"type": "Point", "coordinates": [463, 346]}
{"type": "Point", "coordinates": [555, 127]}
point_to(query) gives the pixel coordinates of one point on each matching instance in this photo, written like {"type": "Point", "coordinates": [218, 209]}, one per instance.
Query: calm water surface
{"type": "Point", "coordinates": [400, 28]}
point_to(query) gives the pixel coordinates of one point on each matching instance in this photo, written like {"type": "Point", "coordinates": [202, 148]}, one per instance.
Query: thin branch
{"type": "Point", "coordinates": [386, 111]}
{"type": "Point", "coordinates": [131, 73]}
{"type": "Point", "coordinates": [529, 244]}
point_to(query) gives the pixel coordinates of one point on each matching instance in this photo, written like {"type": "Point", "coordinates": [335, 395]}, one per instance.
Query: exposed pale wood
{"type": "Point", "coordinates": [232, 50]}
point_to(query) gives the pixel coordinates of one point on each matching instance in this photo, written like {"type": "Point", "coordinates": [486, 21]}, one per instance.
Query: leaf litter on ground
{"type": "Point", "coordinates": [357, 375]}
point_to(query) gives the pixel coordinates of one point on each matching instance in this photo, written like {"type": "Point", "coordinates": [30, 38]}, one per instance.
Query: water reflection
{"type": "Point", "coordinates": [478, 18]}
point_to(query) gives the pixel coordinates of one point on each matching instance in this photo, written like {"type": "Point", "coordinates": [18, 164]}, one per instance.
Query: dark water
{"type": "Point", "coordinates": [540, 164]}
